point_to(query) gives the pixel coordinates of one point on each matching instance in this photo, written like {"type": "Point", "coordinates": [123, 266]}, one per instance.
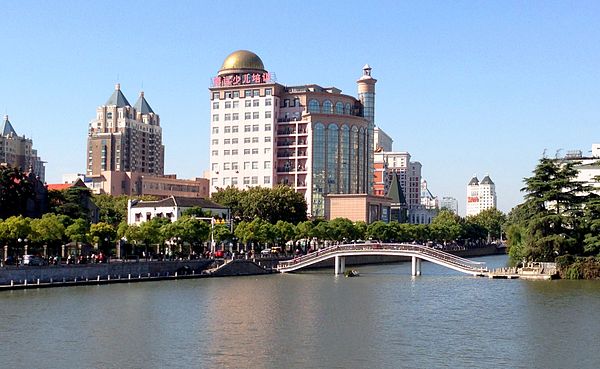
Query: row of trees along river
{"type": "Point", "coordinates": [558, 221]}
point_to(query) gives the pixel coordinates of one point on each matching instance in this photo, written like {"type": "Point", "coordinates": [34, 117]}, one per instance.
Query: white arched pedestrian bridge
{"type": "Point", "coordinates": [417, 252]}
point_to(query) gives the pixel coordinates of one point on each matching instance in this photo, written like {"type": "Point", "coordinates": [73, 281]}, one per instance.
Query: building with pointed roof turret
{"type": "Point", "coordinates": [17, 151]}
{"type": "Point", "coordinates": [480, 195]}
{"type": "Point", "coordinates": [125, 138]}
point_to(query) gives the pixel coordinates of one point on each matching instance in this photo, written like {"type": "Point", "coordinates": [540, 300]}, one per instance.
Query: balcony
{"type": "Point", "coordinates": [284, 132]}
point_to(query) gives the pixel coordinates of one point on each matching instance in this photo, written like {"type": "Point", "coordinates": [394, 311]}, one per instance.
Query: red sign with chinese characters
{"type": "Point", "coordinates": [472, 199]}
{"type": "Point", "coordinates": [241, 79]}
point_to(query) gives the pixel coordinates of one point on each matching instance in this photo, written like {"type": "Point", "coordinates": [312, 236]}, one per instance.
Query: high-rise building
{"type": "Point", "coordinates": [480, 195]}
{"type": "Point", "coordinates": [312, 138]}
{"type": "Point", "coordinates": [125, 138]}
{"type": "Point", "coordinates": [17, 151]}
{"type": "Point", "coordinates": [449, 203]}
{"type": "Point", "coordinates": [409, 175]}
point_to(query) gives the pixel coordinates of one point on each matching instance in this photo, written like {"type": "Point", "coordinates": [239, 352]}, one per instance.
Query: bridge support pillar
{"type": "Point", "coordinates": [342, 265]}
{"type": "Point", "coordinates": [336, 263]}
{"type": "Point", "coordinates": [416, 266]}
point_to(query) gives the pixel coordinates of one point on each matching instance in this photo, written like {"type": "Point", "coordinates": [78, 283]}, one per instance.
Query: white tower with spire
{"type": "Point", "coordinates": [366, 95]}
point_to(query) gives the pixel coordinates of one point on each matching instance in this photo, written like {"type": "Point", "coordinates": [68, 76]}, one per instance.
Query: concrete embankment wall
{"type": "Point", "coordinates": [57, 273]}
{"type": "Point", "coordinates": [239, 267]}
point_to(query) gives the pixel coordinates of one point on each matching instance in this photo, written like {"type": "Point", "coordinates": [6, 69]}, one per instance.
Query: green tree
{"type": "Point", "coordinates": [491, 220]}
{"type": "Point", "coordinates": [446, 227]}
{"type": "Point", "coordinates": [15, 190]}
{"type": "Point", "coordinates": [112, 209]}
{"type": "Point", "coordinates": [78, 230]}
{"type": "Point", "coordinates": [73, 202]}
{"type": "Point", "coordinates": [103, 234]}
{"type": "Point", "coordinates": [48, 230]}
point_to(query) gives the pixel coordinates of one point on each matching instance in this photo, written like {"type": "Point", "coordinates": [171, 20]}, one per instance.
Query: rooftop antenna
{"type": "Point", "coordinates": [544, 153]}
{"type": "Point", "coordinates": [557, 153]}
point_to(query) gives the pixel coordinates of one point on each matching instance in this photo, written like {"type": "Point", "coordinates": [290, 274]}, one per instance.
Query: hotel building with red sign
{"type": "Point", "coordinates": [315, 139]}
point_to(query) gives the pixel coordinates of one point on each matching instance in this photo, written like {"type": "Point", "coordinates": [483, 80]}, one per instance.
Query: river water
{"type": "Point", "coordinates": [383, 319]}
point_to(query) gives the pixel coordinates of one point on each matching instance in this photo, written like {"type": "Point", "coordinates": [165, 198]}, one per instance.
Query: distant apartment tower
{"type": "Point", "coordinates": [409, 175]}
{"type": "Point", "coordinates": [449, 203]}
{"type": "Point", "coordinates": [125, 138]}
{"type": "Point", "coordinates": [480, 195]}
{"type": "Point", "coordinates": [588, 167]}
{"type": "Point", "coordinates": [17, 151]}
{"type": "Point", "coordinates": [314, 139]}
{"type": "Point", "coordinates": [383, 142]}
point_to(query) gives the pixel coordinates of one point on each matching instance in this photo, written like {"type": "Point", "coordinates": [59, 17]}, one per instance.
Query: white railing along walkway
{"type": "Point", "coordinates": [392, 249]}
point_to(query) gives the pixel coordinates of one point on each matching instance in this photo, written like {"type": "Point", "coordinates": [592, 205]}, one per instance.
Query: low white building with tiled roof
{"type": "Point", "coordinates": [171, 208]}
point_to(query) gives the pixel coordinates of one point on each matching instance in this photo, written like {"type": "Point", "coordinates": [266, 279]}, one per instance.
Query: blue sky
{"type": "Point", "coordinates": [480, 87]}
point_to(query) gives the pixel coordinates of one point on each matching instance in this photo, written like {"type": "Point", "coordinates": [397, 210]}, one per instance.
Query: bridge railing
{"type": "Point", "coordinates": [418, 249]}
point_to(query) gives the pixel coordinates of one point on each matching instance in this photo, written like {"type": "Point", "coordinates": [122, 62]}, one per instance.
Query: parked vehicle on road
{"type": "Point", "coordinates": [33, 260]}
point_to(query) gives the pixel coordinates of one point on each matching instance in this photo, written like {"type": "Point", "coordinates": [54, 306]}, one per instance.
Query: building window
{"type": "Point", "coordinates": [327, 107]}
{"type": "Point", "coordinates": [225, 181]}
{"type": "Point", "coordinates": [267, 102]}
{"type": "Point", "coordinates": [313, 106]}
{"type": "Point", "coordinates": [227, 104]}
{"type": "Point", "coordinates": [226, 141]}
{"type": "Point", "coordinates": [215, 117]}
{"type": "Point", "coordinates": [234, 181]}
{"type": "Point", "coordinates": [234, 165]}
{"type": "Point", "coordinates": [226, 152]}
{"type": "Point", "coordinates": [254, 165]}
{"type": "Point", "coordinates": [339, 108]}
{"type": "Point", "coordinates": [248, 103]}
{"type": "Point", "coordinates": [267, 180]}
{"type": "Point", "coordinates": [246, 180]}
{"type": "Point", "coordinates": [255, 103]}
{"type": "Point", "coordinates": [214, 181]}
{"type": "Point", "coordinates": [215, 130]}
{"type": "Point", "coordinates": [215, 153]}
{"type": "Point", "coordinates": [235, 116]}
{"type": "Point", "coordinates": [268, 91]}
{"type": "Point", "coordinates": [227, 116]}
{"type": "Point", "coordinates": [246, 151]}
{"type": "Point", "coordinates": [236, 94]}
{"type": "Point", "coordinates": [215, 141]}
{"type": "Point", "coordinates": [215, 105]}
{"type": "Point", "coordinates": [255, 128]}
{"type": "Point", "coordinates": [247, 128]}
{"type": "Point", "coordinates": [247, 93]}
{"type": "Point", "coordinates": [234, 141]}
{"type": "Point", "coordinates": [296, 102]}
{"type": "Point", "coordinates": [236, 104]}
{"type": "Point", "coordinates": [255, 93]}
{"type": "Point", "coordinates": [268, 114]}
{"type": "Point", "coordinates": [267, 127]}
{"type": "Point", "coordinates": [254, 180]}
{"type": "Point", "coordinates": [255, 115]}
{"type": "Point", "coordinates": [215, 166]}
{"type": "Point", "coordinates": [246, 165]}
{"type": "Point", "coordinates": [267, 138]}
{"type": "Point", "coordinates": [215, 95]}
{"type": "Point", "coordinates": [234, 129]}
{"type": "Point", "coordinates": [226, 166]}
{"type": "Point", "coordinates": [267, 165]}
{"type": "Point", "coordinates": [247, 115]}
{"type": "Point", "coordinates": [267, 150]}
{"type": "Point", "coordinates": [246, 140]}
{"type": "Point", "coordinates": [255, 151]}
{"type": "Point", "coordinates": [227, 129]}
{"type": "Point", "coordinates": [234, 152]}
{"type": "Point", "coordinates": [254, 139]}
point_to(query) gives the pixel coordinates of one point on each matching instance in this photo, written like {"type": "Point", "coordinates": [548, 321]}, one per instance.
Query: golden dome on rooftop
{"type": "Point", "coordinates": [241, 61]}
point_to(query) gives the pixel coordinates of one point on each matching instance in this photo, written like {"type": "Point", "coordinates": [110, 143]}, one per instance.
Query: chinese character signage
{"type": "Point", "coordinates": [241, 79]}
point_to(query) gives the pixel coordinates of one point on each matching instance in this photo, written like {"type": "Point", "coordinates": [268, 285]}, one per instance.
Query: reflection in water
{"type": "Point", "coordinates": [384, 319]}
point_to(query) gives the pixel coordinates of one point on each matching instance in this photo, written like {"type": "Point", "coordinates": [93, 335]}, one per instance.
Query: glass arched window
{"type": "Point", "coordinates": [332, 158]}
{"type": "Point", "coordinates": [313, 106]}
{"type": "Point", "coordinates": [318, 170]}
{"type": "Point", "coordinates": [109, 115]}
{"type": "Point", "coordinates": [354, 160]}
{"type": "Point", "coordinates": [362, 145]}
{"type": "Point", "coordinates": [345, 159]}
{"type": "Point", "coordinates": [348, 109]}
{"type": "Point", "coordinates": [327, 107]}
{"type": "Point", "coordinates": [339, 108]}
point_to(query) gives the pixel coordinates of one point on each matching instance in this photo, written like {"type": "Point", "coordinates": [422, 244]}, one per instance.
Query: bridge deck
{"type": "Point", "coordinates": [391, 249]}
